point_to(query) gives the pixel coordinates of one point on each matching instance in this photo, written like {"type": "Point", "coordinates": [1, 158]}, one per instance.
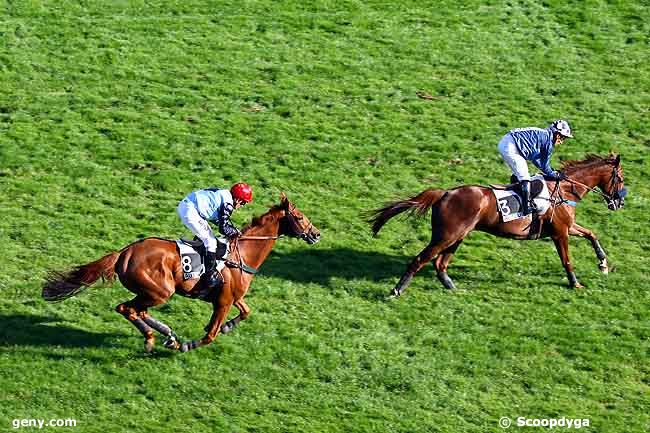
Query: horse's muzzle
{"type": "Point", "coordinates": [618, 200]}
{"type": "Point", "coordinates": [311, 238]}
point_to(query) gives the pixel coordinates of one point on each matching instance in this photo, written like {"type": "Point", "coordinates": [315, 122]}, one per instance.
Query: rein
{"type": "Point", "coordinates": [295, 227]}
{"type": "Point", "coordinates": [240, 261]}
{"type": "Point", "coordinates": [258, 238]}
{"type": "Point", "coordinates": [615, 199]}
{"type": "Point", "coordinates": [588, 188]}
{"type": "Point", "coordinates": [240, 264]}
{"type": "Point", "coordinates": [557, 191]}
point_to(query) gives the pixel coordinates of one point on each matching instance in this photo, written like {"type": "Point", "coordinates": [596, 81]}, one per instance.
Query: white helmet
{"type": "Point", "coordinates": [561, 127]}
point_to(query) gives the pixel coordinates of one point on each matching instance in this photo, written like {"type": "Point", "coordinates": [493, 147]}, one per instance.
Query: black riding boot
{"type": "Point", "coordinates": [526, 205]}
{"type": "Point", "coordinates": [212, 277]}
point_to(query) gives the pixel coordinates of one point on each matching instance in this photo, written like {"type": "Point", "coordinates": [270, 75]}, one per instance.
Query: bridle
{"type": "Point", "coordinates": [296, 230]}
{"type": "Point", "coordinates": [294, 227]}
{"type": "Point", "coordinates": [614, 200]}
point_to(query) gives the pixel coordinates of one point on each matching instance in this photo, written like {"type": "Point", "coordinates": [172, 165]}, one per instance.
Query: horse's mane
{"type": "Point", "coordinates": [590, 161]}
{"type": "Point", "coordinates": [260, 220]}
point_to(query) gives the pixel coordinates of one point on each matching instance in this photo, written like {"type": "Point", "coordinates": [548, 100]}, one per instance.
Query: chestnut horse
{"type": "Point", "coordinates": [457, 212]}
{"type": "Point", "coordinates": [151, 268]}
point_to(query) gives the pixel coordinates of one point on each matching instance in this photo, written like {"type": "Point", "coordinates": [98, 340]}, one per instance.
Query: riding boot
{"type": "Point", "coordinates": [526, 205]}
{"type": "Point", "coordinates": [212, 276]}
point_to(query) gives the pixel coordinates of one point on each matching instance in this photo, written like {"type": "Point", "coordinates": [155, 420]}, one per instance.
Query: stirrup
{"type": "Point", "coordinates": [530, 209]}
{"type": "Point", "coordinates": [214, 280]}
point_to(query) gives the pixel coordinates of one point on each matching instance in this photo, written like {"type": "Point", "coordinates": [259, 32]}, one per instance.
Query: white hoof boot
{"type": "Point", "coordinates": [604, 268]}
{"type": "Point", "coordinates": [172, 343]}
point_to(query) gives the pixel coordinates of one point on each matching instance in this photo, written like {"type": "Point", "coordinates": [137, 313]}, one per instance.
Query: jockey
{"type": "Point", "coordinates": [213, 204]}
{"type": "Point", "coordinates": [533, 144]}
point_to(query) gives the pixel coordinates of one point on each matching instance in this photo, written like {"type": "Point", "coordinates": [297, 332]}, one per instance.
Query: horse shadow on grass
{"type": "Point", "coordinates": [31, 330]}
{"type": "Point", "coordinates": [327, 267]}
{"type": "Point", "coordinates": [48, 332]}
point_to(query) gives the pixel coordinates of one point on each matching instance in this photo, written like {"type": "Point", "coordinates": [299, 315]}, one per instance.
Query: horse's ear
{"type": "Point", "coordinates": [618, 160]}
{"type": "Point", "coordinates": [284, 201]}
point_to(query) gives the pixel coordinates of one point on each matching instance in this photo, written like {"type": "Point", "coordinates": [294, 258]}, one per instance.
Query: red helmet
{"type": "Point", "coordinates": [242, 191]}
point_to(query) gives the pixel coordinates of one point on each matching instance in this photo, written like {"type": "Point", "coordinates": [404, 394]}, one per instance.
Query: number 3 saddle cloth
{"type": "Point", "coordinates": [509, 200]}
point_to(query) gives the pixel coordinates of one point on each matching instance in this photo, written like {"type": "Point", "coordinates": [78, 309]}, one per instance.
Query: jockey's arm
{"type": "Point", "coordinates": [226, 226]}
{"type": "Point", "coordinates": [543, 162]}
{"type": "Point", "coordinates": [228, 229]}
{"type": "Point", "coordinates": [547, 170]}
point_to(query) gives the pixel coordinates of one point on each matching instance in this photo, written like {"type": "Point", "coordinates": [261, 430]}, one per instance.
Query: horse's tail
{"type": "Point", "coordinates": [62, 285]}
{"type": "Point", "coordinates": [419, 205]}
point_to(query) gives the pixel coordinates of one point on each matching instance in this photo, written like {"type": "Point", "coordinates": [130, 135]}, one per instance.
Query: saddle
{"type": "Point", "coordinates": [508, 198]}
{"type": "Point", "coordinates": [197, 244]}
{"type": "Point", "coordinates": [193, 258]}
{"type": "Point", "coordinates": [536, 187]}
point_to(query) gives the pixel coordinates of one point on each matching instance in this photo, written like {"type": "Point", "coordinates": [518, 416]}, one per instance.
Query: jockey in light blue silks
{"type": "Point", "coordinates": [216, 205]}
{"type": "Point", "coordinates": [536, 145]}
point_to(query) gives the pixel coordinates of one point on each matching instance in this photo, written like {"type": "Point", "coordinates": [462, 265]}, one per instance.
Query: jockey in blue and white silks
{"type": "Point", "coordinates": [536, 145]}
{"type": "Point", "coordinates": [217, 205]}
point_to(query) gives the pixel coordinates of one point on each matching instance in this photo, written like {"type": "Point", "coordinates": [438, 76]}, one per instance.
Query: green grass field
{"type": "Point", "coordinates": [110, 112]}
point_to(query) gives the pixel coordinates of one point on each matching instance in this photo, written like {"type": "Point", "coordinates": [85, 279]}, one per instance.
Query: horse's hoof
{"type": "Point", "coordinates": [172, 343]}
{"type": "Point", "coordinates": [392, 296]}
{"type": "Point", "coordinates": [189, 345]}
{"type": "Point", "coordinates": [226, 328]}
{"type": "Point", "coordinates": [603, 266]}
{"type": "Point", "coordinates": [577, 286]}
{"type": "Point", "coordinates": [149, 344]}
{"type": "Point", "coordinates": [446, 281]}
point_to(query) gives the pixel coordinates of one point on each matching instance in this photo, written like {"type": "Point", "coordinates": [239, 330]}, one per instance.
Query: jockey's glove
{"type": "Point", "coordinates": [558, 175]}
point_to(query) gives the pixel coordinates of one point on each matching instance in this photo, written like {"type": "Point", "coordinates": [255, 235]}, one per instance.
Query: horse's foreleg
{"type": "Point", "coordinates": [130, 313]}
{"type": "Point", "coordinates": [562, 246]}
{"type": "Point", "coordinates": [576, 230]}
{"type": "Point", "coordinates": [219, 314]}
{"type": "Point", "coordinates": [244, 311]}
{"type": "Point", "coordinates": [442, 263]}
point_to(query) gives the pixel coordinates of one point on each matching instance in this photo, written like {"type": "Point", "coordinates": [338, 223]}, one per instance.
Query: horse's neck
{"type": "Point", "coordinates": [255, 251]}
{"type": "Point", "coordinates": [589, 178]}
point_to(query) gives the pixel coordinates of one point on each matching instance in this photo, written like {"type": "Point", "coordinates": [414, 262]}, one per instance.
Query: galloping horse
{"type": "Point", "coordinates": [151, 268]}
{"type": "Point", "coordinates": [457, 212]}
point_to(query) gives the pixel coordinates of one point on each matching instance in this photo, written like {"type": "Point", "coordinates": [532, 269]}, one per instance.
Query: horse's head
{"type": "Point", "coordinates": [612, 184]}
{"type": "Point", "coordinates": [295, 224]}
{"type": "Point", "coordinates": [602, 172]}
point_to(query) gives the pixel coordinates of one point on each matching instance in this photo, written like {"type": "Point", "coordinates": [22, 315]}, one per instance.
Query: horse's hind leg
{"type": "Point", "coordinates": [244, 311]}
{"type": "Point", "coordinates": [151, 293]}
{"type": "Point", "coordinates": [135, 311]}
{"type": "Point", "coordinates": [173, 341]}
{"type": "Point", "coordinates": [132, 311]}
{"type": "Point", "coordinates": [426, 255]}
{"type": "Point", "coordinates": [442, 263]}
